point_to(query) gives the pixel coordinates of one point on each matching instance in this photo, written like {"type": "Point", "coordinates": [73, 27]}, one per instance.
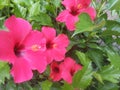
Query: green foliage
{"type": "Point", "coordinates": [98, 77]}
{"type": "Point", "coordinates": [117, 5]}
{"type": "Point", "coordinates": [114, 58]}
{"type": "Point", "coordinates": [34, 9]}
{"type": "Point", "coordinates": [4, 72]}
{"type": "Point", "coordinates": [56, 86]}
{"type": "Point", "coordinates": [42, 18]}
{"type": "Point", "coordinates": [83, 78]}
{"type": "Point", "coordinates": [19, 11]}
{"type": "Point", "coordinates": [97, 57]}
{"type": "Point", "coordinates": [82, 57]}
{"type": "Point", "coordinates": [23, 2]}
{"type": "Point", "coordinates": [56, 2]}
{"type": "Point", "coordinates": [108, 86]}
{"type": "Point", "coordinates": [85, 24]}
{"type": "Point", "coordinates": [67, 87]}
{"type": "Point", "coordinates": [110, 33]}
{"type": "Point", "coordinates": [111, 3]}
{"type": "Point", "coordinates": [46, 85]}
{"type": "Point", "coordinates": [4, 3]}
{"type": "Point", "coordinates": [109, 73]}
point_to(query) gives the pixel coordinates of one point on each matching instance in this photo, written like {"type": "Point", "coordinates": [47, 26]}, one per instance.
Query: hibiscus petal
{"type": "Point", "coordinates": [56, 77]}
{"type": "Point", "coordinates": [61, 40]}
{"type": "Point", "coordinates": [67, 76]}
{"type": "Point", "coordinates": [69, 3]}
{"type": "Point", "coordinates": [18, 27]}
{"type": "Point", "coordinates": [58, 53]}
{"type": "Point", "coordinates": [6, 46]}
{"type": "Point", "coordinates": [84, 3]}
{"type": "Point", "coordinates": [77, 67]}
{"type": "Point", "coordinates": [37, 60]}
{"type": "Point", "coordinates": [49, 33]}
{"type": "Point", "coordinates": [49, 56]}
{"type": "Point", "coordinates": [66, 68]}
{"type": "Point", "coordinates": [21, 70]}
{"type": "Point", "coordinates": [91, 11]}
{"type": "Point", "coordinates": [62, 16]}
{"type": "Point", "coordinates": [65, 73]}
{"type": "Point", "coordinates": [70, 22]}
{"type": "Point", "coordinates": [55, 73]}
{"type": "Point", "coordinates": [69, 63]}
{"type": "Point", "coordinates": [35, 41]}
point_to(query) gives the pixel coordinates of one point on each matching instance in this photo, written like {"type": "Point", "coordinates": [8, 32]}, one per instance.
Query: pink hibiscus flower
{"type": "Point", "coordinates": [55, 46]}
{"type": "Point", "coordinates": [64, 70]}
{"type": "Point", "coordinates": [73, 9]}
{"type": "Point", "coordinates": [20, 47]}
{"type": "Point", "coordinates": [55, 71]}
{"type": "Point", "coordinates": [69, 67]}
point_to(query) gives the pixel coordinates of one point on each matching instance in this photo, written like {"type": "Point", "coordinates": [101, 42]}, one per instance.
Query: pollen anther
{"type": "Point", "coordinates": [79, 6]}
{"type": "Point", "coordinates": [54, 45]}
{"type": "Point", "coordinates": [35, 47]}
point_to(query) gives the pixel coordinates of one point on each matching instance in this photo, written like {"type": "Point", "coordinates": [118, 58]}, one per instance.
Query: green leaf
{"type": "Point", "coordinates": [56, 86]}
{"type": "Point", "coordinates": [108, 86]}
{"type": "Point", "coordinates": [94, 46]}
{"type": "Point", "coordinates": [82, 57]}
{"type": "Point", "coordinates": [113, 25]}
{"type": "Point", "coordinates": [96, 56]}
{"type": "Point", "coordinates": [2, 27]}
{"type": "Point", "coordinates": [109, 73]}
{"type": "Point", "coordinates": [114, 58]}
{"type": "Point", "coordinates": [4, 71]}
{"type": "Point", "coordinates": [51, 8]}
{"type": "Point", "coordinates": [4, 3]}
{"type": "Point", "coordinates": [19, 11]}
{"type": "Point", "coordinates": [42, 19]}
{"type": "Point", "coordinates": [85, 24]}
{"type": "Point", "coordinates": [110, 33]}
{"type": "Point", "coordinates": [100, 24]}
{"type": "Point", "coordinates": [98, 77]}
{"type": "Point", "coordinates": [118, 40]}
{"type": "Point", "coordinates": [116, 5]}
{"type": "Point", "coordinates": [67, 87]}
{"type": "Point", "coordinates": [111, 3]}
{"type": "Point", "coordinates": [82, 79]}
{"type": "Point", "coordinates": [56, 2]}
{"type": "Point", "coordinates": [23, 2]}
{"type": "Point", "coordinates": [46, 85]}
{"type": "Point", "coordinates": [35, 9]}
{"type": "Point", "coordinates": [9, 85]}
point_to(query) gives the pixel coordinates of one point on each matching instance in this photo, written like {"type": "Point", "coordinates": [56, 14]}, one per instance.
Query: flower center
{"type": "Point", "coordinates": [72, 72]}
{"type": "Point", "coordinates": [50, 45]}
{"type": "Point", "coordinates": [56, 69]}
{"type": "Point", "coordinates": [35, 47]}
{"type": "Point", "coordinates": [75, 10]}
{"type": "Point", "coordinates": [18, 50]}
{"type": "Point", "coordinates": [79, 6]}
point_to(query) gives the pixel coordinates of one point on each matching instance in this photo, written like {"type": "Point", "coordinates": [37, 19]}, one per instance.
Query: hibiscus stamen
{"type": "Point", "coordinates": [54, 45]}
{"type": "Point", "coordinates": [35, 47]}
{"type": "Point", "coordinates": [79, 6]}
